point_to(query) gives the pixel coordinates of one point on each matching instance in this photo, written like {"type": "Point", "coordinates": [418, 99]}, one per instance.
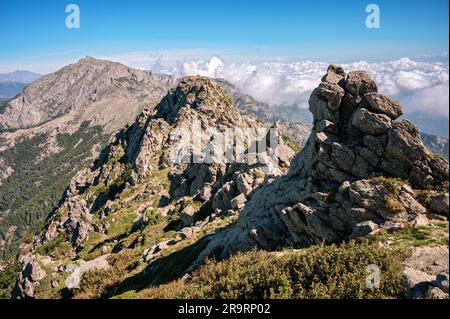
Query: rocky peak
{"type": "Point", "coordinates": [361, 170]}
{"type": "Point", "coordinates": [356, 135]}
{"type": "Point", "coordinates": [143, 150]}
{"type": "Point", "coordinates": [78, 86]}
{"type": "Point", "coordinates": [202, 95]}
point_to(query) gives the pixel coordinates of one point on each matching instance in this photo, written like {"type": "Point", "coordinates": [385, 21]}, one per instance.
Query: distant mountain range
{"type": "Point", "coordinates": [13, 83]}
{"type": "Point", "coordinates": [19, 76]}
{"type": "Point", "coordinates": [10, 89]}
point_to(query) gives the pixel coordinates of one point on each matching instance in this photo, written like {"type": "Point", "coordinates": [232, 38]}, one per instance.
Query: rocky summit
{"type": "Point", "coordinates": [361, 171]}
{"type": "Point", "coordinates": [168, 192]}
{"type": "Point", "coordinates": [89, 83]}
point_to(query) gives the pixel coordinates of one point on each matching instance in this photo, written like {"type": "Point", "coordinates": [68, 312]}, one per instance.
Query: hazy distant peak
{"type": "Point", "coordinates": [20, 76]}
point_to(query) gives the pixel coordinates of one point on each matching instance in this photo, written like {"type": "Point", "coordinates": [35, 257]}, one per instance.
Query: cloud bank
{"type": "Point", "coordinates": [422, 87]}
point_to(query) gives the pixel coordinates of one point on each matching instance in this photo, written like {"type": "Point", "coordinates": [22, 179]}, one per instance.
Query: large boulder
{"type": "Point", "coordinates": [363, 229]}
{"type": "Point", "coordinates": [359, 83]}
{"type": "Point", "coordinates": [371, 123]}
{"type": "Point", "coordinates": [384, 104]}
{"type": "Point", "coordinates": [405, 143]}
{"type": "Point", "coordinates": [439, 204]}
{"type": "Point", "coordinates": [335, 75]}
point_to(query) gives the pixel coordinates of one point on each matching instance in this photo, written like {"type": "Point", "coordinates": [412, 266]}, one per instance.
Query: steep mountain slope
{"type": "Point", "coordinates": [437, 144]}
{"type": "Point", "coordinates": [79, 87]}
{"type": "Point", "coordinates": [73, 113]}
{"type": "Point", "coordinates": [138, 203]}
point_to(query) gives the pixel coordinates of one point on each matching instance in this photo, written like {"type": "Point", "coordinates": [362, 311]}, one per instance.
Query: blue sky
{"type": "Point", "coordinates": [33, 33]}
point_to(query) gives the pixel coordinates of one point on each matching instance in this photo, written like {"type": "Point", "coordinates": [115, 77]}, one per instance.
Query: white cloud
{"type": "Point", "coordinates": [420, 86]}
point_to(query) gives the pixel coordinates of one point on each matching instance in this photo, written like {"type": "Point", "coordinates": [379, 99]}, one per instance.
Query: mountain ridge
{"type": "Point", "coordinates": [37, 162]}
{"type": "Point", "coordinates": [136, 217]}
{"type": "Point", "coordinates": [35, 105]}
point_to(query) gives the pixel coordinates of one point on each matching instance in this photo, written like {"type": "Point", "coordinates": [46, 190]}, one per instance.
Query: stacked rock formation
{"type": "Point", "coordinates": [361, 170]}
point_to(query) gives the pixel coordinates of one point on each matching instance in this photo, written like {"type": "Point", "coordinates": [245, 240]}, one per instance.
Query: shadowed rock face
{"type": "Point", "coordinates": [342, 184]}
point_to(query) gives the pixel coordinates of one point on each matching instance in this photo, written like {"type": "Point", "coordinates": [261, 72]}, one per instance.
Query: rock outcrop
{"type": "Point", "coordinates": [29, 278]}
{"type": "Point", "coordinates": [361, 170]}
{"type": "Point", "coordinates": [145, 150]}
{"type": "Point", "coordinates": [426, 273]}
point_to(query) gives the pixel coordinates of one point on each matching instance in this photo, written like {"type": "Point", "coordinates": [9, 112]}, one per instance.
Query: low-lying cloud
{"type": "Point", "coordinates": [422, 87]}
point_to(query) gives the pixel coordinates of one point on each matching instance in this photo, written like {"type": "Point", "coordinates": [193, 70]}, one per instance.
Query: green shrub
{"type": "Point", "coordinates": [54, 245]}
{"type": "Point", "coordinates": [96, 283]}
{"type": "Point", "coordinates": [291, 142]}
{"type": "Point", "coordinates": [99, 189]}
{"type": "Point", "coordinates": [393, 184]}
{"type": "Point", "coordinates": [393, 205]}
{"type": "Point", "coordinates": [154, 217]}
{"type": "Point", "coordinates": [8, 279]}
{"type": "Point", "coordinates": [317, 272]}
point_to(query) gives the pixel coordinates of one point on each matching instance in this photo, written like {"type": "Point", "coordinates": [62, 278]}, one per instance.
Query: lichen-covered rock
{"type": "Point", "coordinates": [335, 75]}
{"type": "Point", "coordinates": [187, 215]}
{"type": "Point", "coordinates": [426, 273]}
{"type": "Point", "coordinates": [363, 229]}
{"type": "Point", "coordinates": [418, 283]}
{"type": "Point", "coordinates": [404, 142]}
{"type": "Point", "coordinates": [440, 204]}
